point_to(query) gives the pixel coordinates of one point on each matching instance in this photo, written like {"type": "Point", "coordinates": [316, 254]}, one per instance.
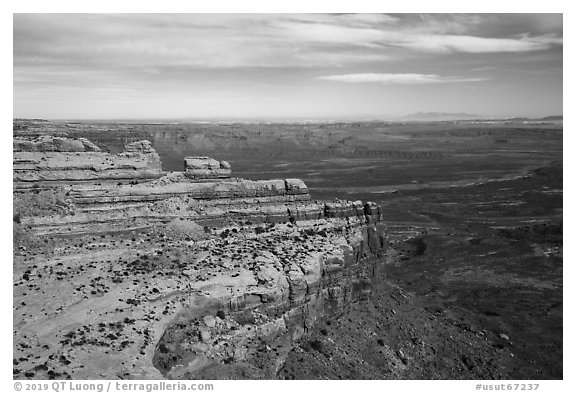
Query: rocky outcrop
{"type": "Point", "coordinates": [53, 162]}
{"type": "Point", "coordinates": [148, 274]}
{"type": "Point", "coordinates": [206, 168]}
{"type": "Point", "coordinates": [53, 144]}
{"type": "Point", "coordinates": [282, 296]}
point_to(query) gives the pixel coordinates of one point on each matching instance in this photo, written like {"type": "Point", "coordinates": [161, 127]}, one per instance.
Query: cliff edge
{"type": "Point", "coordinates": [122, 270]}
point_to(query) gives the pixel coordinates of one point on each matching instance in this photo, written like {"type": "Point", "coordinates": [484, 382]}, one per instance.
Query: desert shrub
{"type": "Point", "coordinates": [24, 240]}
{"type": "Point", "coordinates": [310, 231]}
{"type": "Point", "coordinates": [186, 229]}
{"type": "Point", "coordinates": [172, 205]}
{"type": "Point", "coordinates": [227, 232]}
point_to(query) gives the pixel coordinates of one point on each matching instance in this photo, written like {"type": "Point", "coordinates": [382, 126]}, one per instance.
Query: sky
{"type": "Point", "coordinates": [285, 66]}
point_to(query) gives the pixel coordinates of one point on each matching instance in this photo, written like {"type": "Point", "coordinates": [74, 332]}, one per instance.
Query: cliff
{"type": "Point", "coordinates": [124, 271]}
{"type": "Point", "coordinates": [47, 162]}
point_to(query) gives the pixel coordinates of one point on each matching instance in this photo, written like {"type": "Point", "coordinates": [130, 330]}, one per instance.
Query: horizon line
{"type": "Point", "coordinates": [450, 116]}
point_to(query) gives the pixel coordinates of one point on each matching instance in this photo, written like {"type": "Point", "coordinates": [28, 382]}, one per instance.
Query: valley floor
{"type": "Point", "coordinates": [473, 290]}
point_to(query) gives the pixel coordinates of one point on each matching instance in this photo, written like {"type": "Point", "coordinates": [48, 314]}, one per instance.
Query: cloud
{"type": "Point", "coordinates": [442, 33]}
{"type": "Point", "coordinates": [329, 33]}
{"type": "Point", "coordinates": [132, 41]}
{"type": "Point", "coordinates": [471, 44]}
{"type": "Point", "coordinates": [397, 79]}
{"type": "Point", "coordinates": [196, 41]}
{"type": "Point", "coordinates": [370, 19]}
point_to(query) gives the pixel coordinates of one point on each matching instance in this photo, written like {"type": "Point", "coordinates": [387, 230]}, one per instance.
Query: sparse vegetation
{"type": "Point", "coordinates": [41, 203]}
{"type": "Point", "coordinates": [186, 229]}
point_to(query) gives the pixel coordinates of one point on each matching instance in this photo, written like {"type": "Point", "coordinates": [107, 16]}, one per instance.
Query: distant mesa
{"type": "Point", "coordinates": [556, 118]}
{"type": "Point", "coordinates": [449, 116]}
{"type": "Point", "coordinates": [553, 118]}
{"type": "Point", "coordinates": [439, 116]}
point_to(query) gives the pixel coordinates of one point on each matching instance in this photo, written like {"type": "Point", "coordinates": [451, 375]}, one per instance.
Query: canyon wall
{"type": "Point", "coordinates": [122, 270]}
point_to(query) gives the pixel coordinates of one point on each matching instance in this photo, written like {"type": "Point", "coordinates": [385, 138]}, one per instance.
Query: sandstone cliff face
{"type": "Point", "coordinates": [47, 162]}
{"type": "Point", "coordinates": [283, 291]}
{"type": "Point", "coordinates": [206, 168]}
{"type": "Point", "coordinates": [181, 275]}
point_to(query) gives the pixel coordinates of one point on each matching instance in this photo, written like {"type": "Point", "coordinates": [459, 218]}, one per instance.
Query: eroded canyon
{"type": "Point", "coordinates": [133, 264]}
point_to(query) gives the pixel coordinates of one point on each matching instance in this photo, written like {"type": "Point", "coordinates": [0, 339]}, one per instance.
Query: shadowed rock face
{"type": "Point", "coordinates": [124, 271]}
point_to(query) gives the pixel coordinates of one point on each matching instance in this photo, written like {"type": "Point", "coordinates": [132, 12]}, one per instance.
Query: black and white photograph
{"type": "Point", "coordinates": [287, 196]}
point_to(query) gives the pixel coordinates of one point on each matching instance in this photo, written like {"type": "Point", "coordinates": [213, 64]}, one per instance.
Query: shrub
{"type": "Point", "coordinates": [186, 229]}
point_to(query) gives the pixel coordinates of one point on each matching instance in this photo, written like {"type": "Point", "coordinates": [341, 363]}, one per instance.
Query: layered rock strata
{"type": "Point", "coordinates": [206, 168]}
{"type": "Point", "coordinates": [47, 162]}
{"type": "Point", "coordinates": [152, 275]}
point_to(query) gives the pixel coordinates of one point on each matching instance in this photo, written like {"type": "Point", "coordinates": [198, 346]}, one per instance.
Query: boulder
{"type": "Point", "coordinates": [204, 334]}
{"type": "Point", "coordinates": [209, 321]}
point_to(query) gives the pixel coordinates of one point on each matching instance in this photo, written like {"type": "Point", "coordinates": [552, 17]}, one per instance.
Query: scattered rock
{"type": "Point", "coordinates": [468, 362]}
{"type": "Point", "coordinates": [209, 321]}
{"type": "Point", "coordinates": [402, 356]}
{"type": "Point", "coordinates": [204, 334]}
